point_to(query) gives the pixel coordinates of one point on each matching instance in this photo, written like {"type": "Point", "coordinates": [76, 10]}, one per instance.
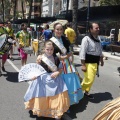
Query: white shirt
{"type": "Point", "coordinates": [90, 47]}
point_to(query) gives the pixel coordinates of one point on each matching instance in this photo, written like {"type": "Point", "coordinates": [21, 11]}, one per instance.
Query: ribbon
{"type": "Point", "coordinates": [49, 63]}
{"type": "Point", "coordinates": [60, 46]}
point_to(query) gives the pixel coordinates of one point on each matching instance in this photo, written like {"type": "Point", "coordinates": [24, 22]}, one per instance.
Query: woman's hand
{"type": "Point", "coordinates": [84, 69]}
{"type": "Point", "coordinates": [34, 78]}
{"type": "Point", "coordinates": [55, 74]}
{"type": "Point", "coordinates": [69, 54]}
{"type": "Point", "coordinates": [38, 60]}
{"type": "Point", "coordinates": [66, 56]}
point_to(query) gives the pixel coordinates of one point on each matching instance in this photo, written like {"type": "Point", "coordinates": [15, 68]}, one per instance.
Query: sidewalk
{"type": "Point", "coordinates": [106, 54]}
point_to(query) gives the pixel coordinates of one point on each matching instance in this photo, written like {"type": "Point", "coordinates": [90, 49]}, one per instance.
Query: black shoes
{"type": "Point", "coordinates": [88, 96]}
{"type": "Point", "coordinates": [3, 69]}
{"type": "Point", "coordinates": [11, 58]}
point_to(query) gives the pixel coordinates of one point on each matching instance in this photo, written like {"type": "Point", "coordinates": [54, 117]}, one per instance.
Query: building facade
{"type": "Point", "coordinates": [47, 8]}
{"type": "Point", "coordinates": [54, 7]}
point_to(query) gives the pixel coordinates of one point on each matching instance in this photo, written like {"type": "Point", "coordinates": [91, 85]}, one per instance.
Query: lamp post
{"type": "Point", "coordinates": [88, 14]}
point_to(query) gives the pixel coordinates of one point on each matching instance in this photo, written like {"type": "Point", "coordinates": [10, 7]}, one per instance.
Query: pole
{"type": "Point", "coordinates": [88, 13]}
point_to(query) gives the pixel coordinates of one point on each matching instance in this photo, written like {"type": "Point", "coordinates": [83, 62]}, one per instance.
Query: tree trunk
{"type": "Point", "coordinates": [74, 14]}
{"type": "Point", "coordinates": [3, 10]}
{"type": "Point", "coordinates": [41, 7]}
{"type": "Point", "coordinates": [30, 11]}
{"type": "Point", "coordinates": [67, 9]}
{"type": "Point", "coordinates": [15, 7]}
{"type": "Point", "coordinates": [22, 5]}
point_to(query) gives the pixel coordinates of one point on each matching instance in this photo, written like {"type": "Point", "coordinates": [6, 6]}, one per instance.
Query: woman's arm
{"type": "Point", "coordinates": [66, 56]}
{"type": "Point", "coordinates": [38, 60]}
{"type": "Point", "coordinates": [57, 73]}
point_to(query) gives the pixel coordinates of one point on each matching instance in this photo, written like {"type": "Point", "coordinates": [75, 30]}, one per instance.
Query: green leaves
{"type": "Point", "coordinates": [109, 2]}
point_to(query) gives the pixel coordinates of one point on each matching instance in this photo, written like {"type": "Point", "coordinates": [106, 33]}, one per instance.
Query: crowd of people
{"type": "Point", "coordinates": [62, 86]}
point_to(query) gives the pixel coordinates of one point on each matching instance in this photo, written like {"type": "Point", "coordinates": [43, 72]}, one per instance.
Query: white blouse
{"type": "Point", "coordinates": [90, 47]}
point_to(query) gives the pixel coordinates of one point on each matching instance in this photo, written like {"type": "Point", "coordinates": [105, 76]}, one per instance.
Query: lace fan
{"type": "Point", "coordinates": [29, 71]}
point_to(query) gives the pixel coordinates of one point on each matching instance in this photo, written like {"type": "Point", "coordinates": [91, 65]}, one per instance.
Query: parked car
{"type": "Point", "coordinates": [105, 42]}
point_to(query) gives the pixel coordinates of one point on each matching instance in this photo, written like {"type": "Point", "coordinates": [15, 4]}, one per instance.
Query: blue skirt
{"type": "Point", "coordinates": [45, 86]}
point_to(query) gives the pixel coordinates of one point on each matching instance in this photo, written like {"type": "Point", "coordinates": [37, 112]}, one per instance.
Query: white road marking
{"type": "Point", "coordinates": [11, 63]}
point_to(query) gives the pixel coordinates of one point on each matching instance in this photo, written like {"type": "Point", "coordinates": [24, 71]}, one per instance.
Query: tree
{"type": "Point", "coordinates": [67, 8]}
{"type": "Point", "coordinates": [109, 2]}
{"type": "Point", "coordinates": [75, 11]}
{"type": "Point", "coordinates": [15, 7]}
{"type": "Point", "coordinates": [3, 9]}
{"type": "Point", "coordinates": [30, 11]}
{"type": "Point", "coordinates": [41, 1]}
{"type": "Point", "coordinates": [22, 5]}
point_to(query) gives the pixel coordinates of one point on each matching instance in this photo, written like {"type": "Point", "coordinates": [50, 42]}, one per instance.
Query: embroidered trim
{"type": "Point", "coordinates": [51, 112]}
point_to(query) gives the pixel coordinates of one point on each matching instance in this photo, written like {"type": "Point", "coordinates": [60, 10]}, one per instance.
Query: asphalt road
{"type": "Point", "coordinates": [105, 88]}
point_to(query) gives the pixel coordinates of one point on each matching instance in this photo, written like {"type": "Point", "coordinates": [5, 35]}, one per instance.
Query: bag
{"type": "Point", "coordinates": [28, 50]}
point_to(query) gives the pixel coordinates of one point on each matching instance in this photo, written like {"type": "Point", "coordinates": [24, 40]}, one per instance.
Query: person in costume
{"type": "Point", "coordinates": [90, 55]}
{"type": "Point", "coordinates": [10, 33]}
{"type": "Point", "coordinates": [47, 95]}
{"type": "Point", "coordinates": [70, 75]}
{"type": "Point", "coordinates": [4, 56]}
{"type": "Point", "coordinates": [24, 41]}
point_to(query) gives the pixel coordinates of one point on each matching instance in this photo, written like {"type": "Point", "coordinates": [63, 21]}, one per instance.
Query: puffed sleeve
{"type": "Point", "coordinates": [83, 49]}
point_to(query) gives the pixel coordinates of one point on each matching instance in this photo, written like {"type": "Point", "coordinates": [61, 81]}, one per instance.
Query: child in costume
{"type": "Point", "coordinates": [47, 95]}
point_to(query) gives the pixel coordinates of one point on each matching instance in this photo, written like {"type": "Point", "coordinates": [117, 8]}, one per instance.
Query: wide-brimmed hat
{"type": "Point", "coordinates": [63, 22]}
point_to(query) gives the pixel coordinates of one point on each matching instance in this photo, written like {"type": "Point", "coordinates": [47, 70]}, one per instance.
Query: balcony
{"type": "Point", "coordinates": [45, 3]}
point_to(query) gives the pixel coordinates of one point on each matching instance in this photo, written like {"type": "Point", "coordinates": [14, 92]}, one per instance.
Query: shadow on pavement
{"type": "Point", "coordinates": [11, 76]}
{"type": "Point", "coordinates": [64, 117]}
{"type": "Point", "coordinates": [77, 108]}
{"type": "Point", "coordinates": [98, 97]}
{"type": "Point", "coordinates": [17, 58]}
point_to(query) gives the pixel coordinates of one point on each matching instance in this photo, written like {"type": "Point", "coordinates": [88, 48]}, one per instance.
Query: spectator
{"type": "Point", "coordinates": [47, 33]}
{"type": "Point", "coordinates": [70, 34]}
{"type": "Point", "coordinates": [4, 56]}
{"type": "Point", "coordinates": [24, 41]}
{"type": "Point", "coordinates": [10, 32]}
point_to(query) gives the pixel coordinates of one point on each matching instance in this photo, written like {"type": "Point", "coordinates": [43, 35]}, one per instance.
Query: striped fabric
{"type": "Point", "coordinates": [90, 47]}
{"type": "Point", "coordinates": [68, 67]}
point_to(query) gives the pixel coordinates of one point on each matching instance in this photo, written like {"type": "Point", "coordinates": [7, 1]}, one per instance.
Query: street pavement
{"type": "Point", "coordinates": [105, 88]}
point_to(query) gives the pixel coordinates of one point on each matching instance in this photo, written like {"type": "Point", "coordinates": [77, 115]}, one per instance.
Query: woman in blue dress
{"type": "Point", "coordinates": [69, 74]}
